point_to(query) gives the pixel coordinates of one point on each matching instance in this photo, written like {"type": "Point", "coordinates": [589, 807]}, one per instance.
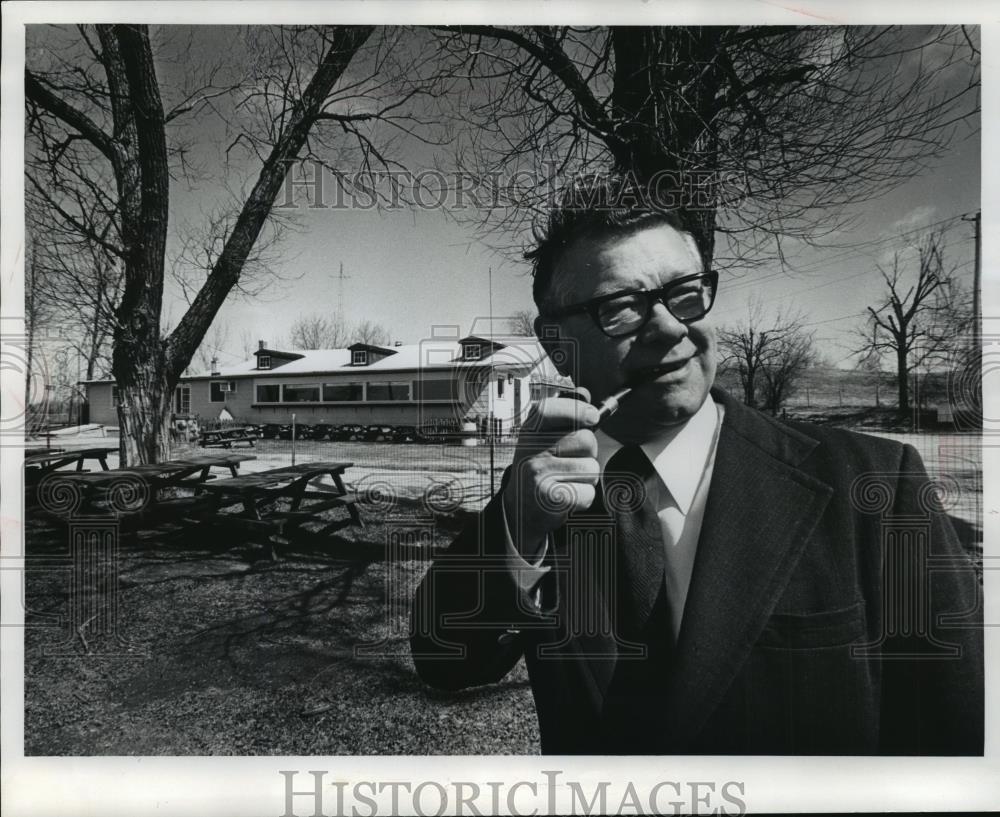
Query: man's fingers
{"type": "Point", "coordinates": [565, 414]}
{"type": "Point", "coordinates": [579, 443]}
{"type": "Point", "coordinates": [546, 468]}
{"type": "Point", "coordinates": [577, 393]}
{"type": "Point", "coordinates": [554, 495]}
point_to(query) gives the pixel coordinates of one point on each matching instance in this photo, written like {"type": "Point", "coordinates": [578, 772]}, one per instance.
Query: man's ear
{"type": "Point", "coordinates": [555, 345]}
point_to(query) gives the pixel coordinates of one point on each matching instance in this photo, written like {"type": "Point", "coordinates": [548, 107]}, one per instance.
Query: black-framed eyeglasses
{"type": "Point", "coordinates": [624, 313]}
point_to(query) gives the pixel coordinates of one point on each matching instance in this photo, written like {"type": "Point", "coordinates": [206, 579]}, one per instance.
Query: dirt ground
{"type": "Point", "coordinates": [211, 648]}
{"type": "Point", "coordinates": [218, 652]}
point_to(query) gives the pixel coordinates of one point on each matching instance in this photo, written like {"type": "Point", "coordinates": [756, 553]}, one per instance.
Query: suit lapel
{"type": "Point", "coordinates": [761, 510]}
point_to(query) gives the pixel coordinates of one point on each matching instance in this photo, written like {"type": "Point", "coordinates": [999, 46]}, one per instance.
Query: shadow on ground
{"type": "Point", "coordinates": [218, 650]}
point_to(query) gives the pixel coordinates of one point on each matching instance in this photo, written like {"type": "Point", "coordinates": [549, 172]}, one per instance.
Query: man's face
{"type": "Point", "coordinates": [684, 355]}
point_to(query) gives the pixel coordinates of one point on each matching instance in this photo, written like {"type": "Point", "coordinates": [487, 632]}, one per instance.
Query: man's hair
{"type": "Point", "coordinates": [592, 206]}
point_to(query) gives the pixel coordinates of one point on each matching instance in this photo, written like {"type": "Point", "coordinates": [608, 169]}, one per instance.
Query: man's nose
{"type": "Point", "coordinates": [662, 326]}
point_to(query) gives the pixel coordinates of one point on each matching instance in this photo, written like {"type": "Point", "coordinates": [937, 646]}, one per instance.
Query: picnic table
{"type": "Point", "coordinates": [257, 498]}
{"type": "Point", "coordinates": [226, 437]}
{"type": "Point", "coordinates": [42, 462]}
{"type": "Point", "coordinates": [42, 449]}
{"type": "Point", "coordinates": [139, 489]}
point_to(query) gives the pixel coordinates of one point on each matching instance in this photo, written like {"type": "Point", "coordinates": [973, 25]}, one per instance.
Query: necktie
{"type": "Point", "coordinates": [638, 684]}
{"type": "Point", "coordinates": [631, 495]}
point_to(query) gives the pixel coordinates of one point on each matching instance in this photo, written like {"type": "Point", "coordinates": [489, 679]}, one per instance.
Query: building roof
{"type": "Point", "coordinates": [514, 354]}
{"type": "Point", "coordinates": [277, 353]}
{"type": "Point", "coordinates": [367, 347]}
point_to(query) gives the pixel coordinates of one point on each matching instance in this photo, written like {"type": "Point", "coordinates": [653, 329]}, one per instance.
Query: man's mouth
{"type": "Point", "coordinates": [646, 374]}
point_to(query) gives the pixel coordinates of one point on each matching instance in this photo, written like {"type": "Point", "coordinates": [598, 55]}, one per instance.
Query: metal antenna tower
{"type": "Point", "coordinates": [340, 293]}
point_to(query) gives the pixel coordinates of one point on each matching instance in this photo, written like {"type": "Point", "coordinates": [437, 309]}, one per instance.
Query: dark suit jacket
{"type": "Point", "coordinates": [831, 611]}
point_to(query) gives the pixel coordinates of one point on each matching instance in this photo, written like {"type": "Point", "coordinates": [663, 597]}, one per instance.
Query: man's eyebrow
{"type": "Point", "coordinates": [603, 290]}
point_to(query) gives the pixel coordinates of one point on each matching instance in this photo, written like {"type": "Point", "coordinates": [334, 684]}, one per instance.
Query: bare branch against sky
{"type": "Point", "coordinates": [796, 125]}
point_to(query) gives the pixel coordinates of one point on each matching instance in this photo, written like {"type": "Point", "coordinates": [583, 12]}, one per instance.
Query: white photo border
{"type": "Point", "coordinates": [132, 786]}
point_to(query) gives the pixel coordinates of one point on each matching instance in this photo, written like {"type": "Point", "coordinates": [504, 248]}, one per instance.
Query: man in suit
{"type": "Point", "coordinates": [689, 575]}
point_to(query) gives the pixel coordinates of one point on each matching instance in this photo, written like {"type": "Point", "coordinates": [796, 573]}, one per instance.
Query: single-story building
{"type": "Point", "coordinates": [441, 382]}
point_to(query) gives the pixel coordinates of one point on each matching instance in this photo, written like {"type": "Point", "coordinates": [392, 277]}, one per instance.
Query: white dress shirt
{"type": "Point", "coordinates": [684, 459]}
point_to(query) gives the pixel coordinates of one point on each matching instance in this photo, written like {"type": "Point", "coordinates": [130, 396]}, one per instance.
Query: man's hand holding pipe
{"type": "Point", "coordinates": [555, 470]}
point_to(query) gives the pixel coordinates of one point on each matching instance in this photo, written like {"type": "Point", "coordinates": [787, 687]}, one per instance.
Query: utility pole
{"type": "Point", "coordinates": [977, 220]}
{"type": "Point", "coordinates": [489, 392]}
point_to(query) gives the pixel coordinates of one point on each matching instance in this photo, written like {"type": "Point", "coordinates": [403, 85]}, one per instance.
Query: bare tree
{"type": "Point", "coordinates": [768, 356]}
{"type": "Point", "coordinates": [211, 346]}
{"type": "Point", "coordinates": [871, 364]}
{"type": "Point", "coordinates": [522, 322]}
{"type": "Point", "coordinates": [318, 332]}
{"type": "Point", "coordinates": [917, 322]}
{"type": "Point", "coordinates": [96, 112]}
{"type": "Point", "coordinates": [248, 343]}
{"type": "Point", "coordinates": [368, 331]}
{"type": "Point", "coordinates": [783, 371]}
{"type": "Point", "coordinates": [35, 312]}
{"type": "Point", "coordinates": [79, 283]}
{"type": "Point", "coordinates": [793, 123]}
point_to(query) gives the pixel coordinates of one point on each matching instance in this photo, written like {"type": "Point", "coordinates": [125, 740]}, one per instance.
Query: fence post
{"type": "Point", "coordinates": [293, 438]}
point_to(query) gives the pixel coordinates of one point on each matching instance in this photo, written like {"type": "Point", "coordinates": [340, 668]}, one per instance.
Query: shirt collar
{"type": "Point", "coordinates": [679, 456]}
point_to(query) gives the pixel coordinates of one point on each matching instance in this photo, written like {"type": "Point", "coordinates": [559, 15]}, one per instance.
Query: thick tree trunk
{"type": "Point", "coordinates": [142, 176]}
{"type": "Point", "coordinates": [143, 417]}
{"type": "Point", "coordinates": [750, 390]}
{"type": "Point", "coordinates": [666, 83]}
{"type": "Point", "coordinates": [902, 381]}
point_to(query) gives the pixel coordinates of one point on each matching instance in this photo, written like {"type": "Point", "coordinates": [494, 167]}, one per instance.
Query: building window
{"type": "Point", "coordinates": [269, 393]}
{"type": "Point", "coordinates": [300, 394]}
{"type": "Point", "coordinates": [114, 396]}
{"type": "Point", "coordinates": [343, 392]}
{"type": "Point", "coordinates": [263, 361]}
{"type": "Point", "coordinates": [473, 351]}
{"type": "Point", "coordinates": [388, 391]}
{"type": "Point", "coordinates": [218, 389]}
{"type": "Point", "coordinates": [434, 389]}
{"type": "Point", "coordinates": [182, 400]}
{"type": "Point", "coordinates": [500, 382]}
{"type": "Point", "coordinates": [359, 357]}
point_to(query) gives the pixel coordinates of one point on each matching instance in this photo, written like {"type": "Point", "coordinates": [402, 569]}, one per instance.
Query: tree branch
{"type": "Point", "coordinates": [76, 119]}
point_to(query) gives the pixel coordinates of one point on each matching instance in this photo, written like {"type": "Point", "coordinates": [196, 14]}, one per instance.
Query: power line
{"type": "Point", "coordinates": [834, 320]}
{"type": "Point", "coordinates": [845, 252]}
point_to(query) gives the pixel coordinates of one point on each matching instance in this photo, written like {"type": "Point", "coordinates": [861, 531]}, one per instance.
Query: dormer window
{"type": "Point", "coordinates": [263, 361]}
{"type": "Point", "coordinates": [473, 351]}
{"type": "Point", "coordinates": [359, 357]}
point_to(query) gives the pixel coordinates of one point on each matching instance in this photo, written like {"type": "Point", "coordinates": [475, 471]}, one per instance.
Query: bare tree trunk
{"type": "Point", "coordinates": [902, 381]}
{"type": "Point", "coordinates": [143, 178]}
{"type": "Point", "coordinates": [143, 417]}
{"type": "Point", "coordinates": [750, 390]}
{"type": "Point", "coordinates": [663, 132]}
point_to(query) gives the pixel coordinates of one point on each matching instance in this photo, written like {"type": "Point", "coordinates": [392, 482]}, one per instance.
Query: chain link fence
{"type": "Point", "coordinates": [464, 472]}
